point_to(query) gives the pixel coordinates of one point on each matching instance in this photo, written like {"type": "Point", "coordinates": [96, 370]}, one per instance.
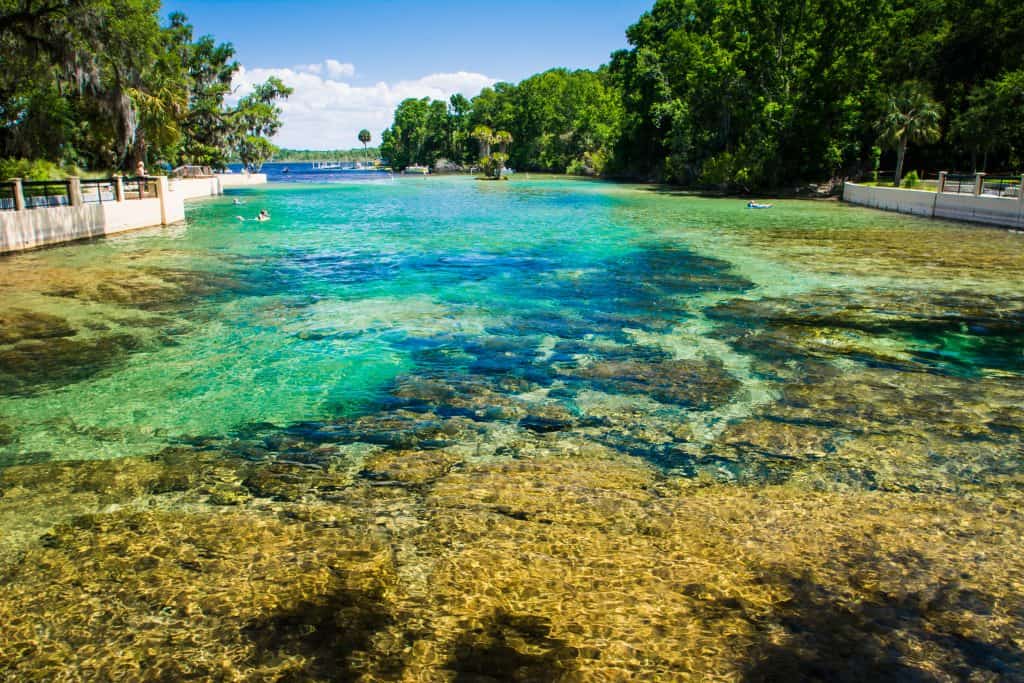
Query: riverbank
{"type": "Point", "coordinates": [113, 207]}
{"type": "Point", "coordinates": [1007, 212]}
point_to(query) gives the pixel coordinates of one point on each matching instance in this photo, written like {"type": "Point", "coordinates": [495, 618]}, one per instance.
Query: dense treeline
{"type": "Point", "coordinates": [102, 84]}
{"type": "Point", "coordinates": [559, 121]}
{"type": "Point", "coordinates": [358, 154]}
{"type": "Point", "coordinates": [760, 93]}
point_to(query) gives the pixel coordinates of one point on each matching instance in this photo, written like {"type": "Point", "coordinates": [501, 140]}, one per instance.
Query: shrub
{"type": "Point", "coordinates": [911, 180]}
{"type": "Point", "coordinates": [30, 169]}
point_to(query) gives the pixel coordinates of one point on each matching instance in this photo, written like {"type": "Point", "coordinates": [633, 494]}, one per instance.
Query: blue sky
{"type": "Point", "coordinates": [351, 63]}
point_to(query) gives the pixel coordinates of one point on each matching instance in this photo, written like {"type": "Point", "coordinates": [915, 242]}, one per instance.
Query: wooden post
{"type": "Point", "coordinates": [942, 181]}
{"type": "Point", "coordinates": [119, 188]}
{"type": "Point", "coordinates": [19, 195]}
{"type": "Point", "coordinates": [74, 191]}
{"type": "Point", "coordinates": [979, 183]}
{"type": "Point", "coordinates": [1020, 189]}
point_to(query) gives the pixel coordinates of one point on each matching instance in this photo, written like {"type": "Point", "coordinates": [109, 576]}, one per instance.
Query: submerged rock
{"type": "Point", "coordinates": [700, 385]}
{"type": "Point", "coordinates": [30, 366]}
{"type": "Point", "coordinates": [19, 325]}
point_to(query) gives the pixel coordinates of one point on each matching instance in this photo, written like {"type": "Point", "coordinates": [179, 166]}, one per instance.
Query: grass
{"type": "Point", "coordinates": [924, 185]}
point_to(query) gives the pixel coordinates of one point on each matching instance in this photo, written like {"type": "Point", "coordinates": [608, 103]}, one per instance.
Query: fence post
{"type": "Point", "coordinates": [119, 188]}
{"type": "Point", "coordinates": [979, 183]}
{"type": "Point", "coordinates": [942, 181]}
{"type": "Point", "coordinates": [1020, 189]}
{"type": "Point", "coordinates": [74, 191]}
{"type": "Point", "coordinates": [19, 194]}
{"type": "Point", "coordinates": [162, 190]}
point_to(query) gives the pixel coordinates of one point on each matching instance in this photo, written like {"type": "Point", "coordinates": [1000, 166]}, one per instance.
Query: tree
{"type": "Point", "coordinates": [485, 138]}
{"type": "Point", "coordinates": [911, 116]}
{"type": "Point", "coordinates": [991, 122]}
{"type": "Point", "coordinates": [406, 142]}
{"type": "Point", "coordinates": [208, 125]}
{"type": "Point", "coordinates": [70, 69]}
{"type": "Point", "coordinates": [365, 137]}
{"type": "Point", "coordinates": [503, 139]}
{"type": "Point", "coordinates": [256, 119]}
{"type": "Point", "coordinates": [459, 111]}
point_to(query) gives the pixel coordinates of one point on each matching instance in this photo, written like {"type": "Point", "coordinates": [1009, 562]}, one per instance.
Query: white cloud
{"type": "Point", "coordinates": [325, 112]}
{"type": "Point", "coordinates": [337, 70]}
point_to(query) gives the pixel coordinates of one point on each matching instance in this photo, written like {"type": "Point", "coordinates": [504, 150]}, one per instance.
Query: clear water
{"type": "Point", "coordinates": [611, 360]}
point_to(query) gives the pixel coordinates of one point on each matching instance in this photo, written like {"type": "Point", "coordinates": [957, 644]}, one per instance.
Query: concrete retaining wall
{"type": "Point", "coordinates": [195, 188]}
{"type": "Point", "coordinates": [241, 179]}
{"type": "Point", "coordinates": [33, 228]}
{"type": "Point", "coordinates": [1002, 211]}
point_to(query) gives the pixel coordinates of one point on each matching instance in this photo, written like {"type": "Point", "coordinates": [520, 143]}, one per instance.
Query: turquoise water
{"type": "Point", "coordinates": [584, 431]}
{"type": "Point", "coordinates": [220, 325]}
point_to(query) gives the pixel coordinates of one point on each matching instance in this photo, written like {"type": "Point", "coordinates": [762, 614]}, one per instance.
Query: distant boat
{"type": "Point", "coordinates": [416, 170]}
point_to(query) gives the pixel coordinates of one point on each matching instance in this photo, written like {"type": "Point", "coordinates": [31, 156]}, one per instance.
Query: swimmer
{"type": "Point", "coordinates": [264, 216]}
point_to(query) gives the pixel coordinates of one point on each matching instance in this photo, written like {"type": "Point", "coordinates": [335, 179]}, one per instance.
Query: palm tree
{"type": "Point", "coordinates": [364, 137]}
{"type": "Point", "coordinates": [503, 139]}
{"type": "Point", "coordinates": [485, 136]}
{"type": "Point", "coordinates": [911, 116]}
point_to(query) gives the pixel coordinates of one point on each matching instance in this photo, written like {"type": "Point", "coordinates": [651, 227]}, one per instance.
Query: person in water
{"type": "Point", "coordinates": [263, 216]}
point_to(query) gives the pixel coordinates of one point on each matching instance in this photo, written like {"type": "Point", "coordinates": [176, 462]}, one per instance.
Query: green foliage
{"type": "Point", "coordinates": [990, 123]}
{"type": "Point", "coordinates": [560, 121]}
{"type": "Point", "coordinates": [101, 84]}
{"type": "Point", "coordinates": [364, 137]}
{"type": "Point", "coordinates": [723, 93]}
{"type": "Point", "coordinates": [256, 119]}
{"type": "Point", "coordinates": [911, 116]}
{"type": "Point", "coordinates": [876, 162]}
{"type": "Point", "coordinates": [358, 154]}
{"type": "Point", "coordinates": [911, 180]}
{"type": "Point", "coordinates": [493, 164]}
{"type": "Point", "coordinates": [406, 142]}
{"type": "Point", "coordinates": [30, 170]}
{"type": "Point", "coordinates": [727, 92]}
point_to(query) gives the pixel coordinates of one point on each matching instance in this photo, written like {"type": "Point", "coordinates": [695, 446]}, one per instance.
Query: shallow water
{"type": "Point", "coordinates": [546, 429]}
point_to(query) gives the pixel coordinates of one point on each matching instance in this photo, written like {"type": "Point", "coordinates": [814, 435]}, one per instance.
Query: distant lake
{"type": "Point", "coordinates": [544, 429]}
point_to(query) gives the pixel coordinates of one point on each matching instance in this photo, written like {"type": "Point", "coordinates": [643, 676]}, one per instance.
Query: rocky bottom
{"type": "Point", "coordinates": [428, 565]}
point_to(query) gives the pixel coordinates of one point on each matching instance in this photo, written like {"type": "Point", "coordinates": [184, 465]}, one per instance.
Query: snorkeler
{"type": "Point", "coordinates": [264, 216]}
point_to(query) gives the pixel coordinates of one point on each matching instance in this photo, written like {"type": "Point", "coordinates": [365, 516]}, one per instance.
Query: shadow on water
{"type": "Point", "coordinates": [328, 632]}
{"type": "Point", "coordinates": [826, 636]}
{"type": "Point", "coordinates": [511, 647]}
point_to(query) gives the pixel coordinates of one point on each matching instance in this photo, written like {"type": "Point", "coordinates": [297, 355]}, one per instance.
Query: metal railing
{"type": "Point", "coordinates": [139, 188]}
{"type": "Point", "coordinates": [1006, 186]}
{"type": "Point", "coordinates": [960, 183]}
{"type": "Point", "coordinates": [189, 171]}
{"type": "Point", "coordinates": [39, 194]}
{"type": "Point", "coordinates": [7, 196]}
{"type": "Point", "coordinates": [44, 194]}
{"type": "Point", "coordinates": [99, 191]}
